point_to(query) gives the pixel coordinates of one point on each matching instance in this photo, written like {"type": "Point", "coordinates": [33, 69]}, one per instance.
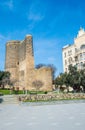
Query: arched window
{"type": "Point", "coordinates": [70, 60]}
{"type": "Point", "coordinates": [82, 46]}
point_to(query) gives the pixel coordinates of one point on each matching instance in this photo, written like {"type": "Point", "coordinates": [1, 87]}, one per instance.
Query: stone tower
{"type": "Point", "coordinates": [12, 58]}
{"type": "Point", "coordinates": [20, 63]}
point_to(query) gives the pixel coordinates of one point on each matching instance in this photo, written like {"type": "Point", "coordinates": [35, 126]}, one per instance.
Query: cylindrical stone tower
{"type": "Point", "coordinates": [12, 58]}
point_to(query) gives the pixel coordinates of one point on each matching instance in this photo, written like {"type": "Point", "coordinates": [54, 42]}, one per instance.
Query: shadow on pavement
{"type": "Point", "coordinates": [1, 100]}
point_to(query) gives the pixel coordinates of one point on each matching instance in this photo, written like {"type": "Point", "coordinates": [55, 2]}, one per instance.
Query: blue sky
{"type": "Point", "coordinates": [53, 24]}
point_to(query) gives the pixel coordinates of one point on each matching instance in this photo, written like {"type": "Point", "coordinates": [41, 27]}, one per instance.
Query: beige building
{"type": "Point", "coordinates": [20, 63]}
{"type": "Point", "coordinates": [74, 54]}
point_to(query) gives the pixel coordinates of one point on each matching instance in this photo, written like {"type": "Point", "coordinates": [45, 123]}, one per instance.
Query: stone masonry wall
{"type": "Point", "coordinates": [44, 74]}
{"type": "Point", "coordinates": [12, 58]}
{"type": "Point", "coordinates": [53, 97]}
{"type": "Point", "coordinates": [20, 63]}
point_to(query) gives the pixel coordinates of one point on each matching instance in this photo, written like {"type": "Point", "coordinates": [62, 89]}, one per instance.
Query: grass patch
{"type": "Point", "coordinates": [17, 92]}
{"type": "Point", "coordinates": [54, 100]}
{"type": "Point", "coordinates": [8, 92]}
{"type": "Point", "coordinates": [5, 92]}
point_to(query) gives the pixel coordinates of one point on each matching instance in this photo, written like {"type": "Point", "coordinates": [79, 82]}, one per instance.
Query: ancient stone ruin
{"type": "Point", "coordinates": [20, 63]}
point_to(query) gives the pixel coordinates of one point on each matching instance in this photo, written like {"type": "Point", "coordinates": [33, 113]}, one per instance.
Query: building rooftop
{"type": "Point", "coordinates": [81, 32]}
{"type": "Point", "coordinates": [66, 46]}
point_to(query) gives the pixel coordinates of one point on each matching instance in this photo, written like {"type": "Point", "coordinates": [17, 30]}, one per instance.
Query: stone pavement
{"type": "Point", "coordinates": [9, 99]}
{"type": "Point", "coordinates": [45, 117]}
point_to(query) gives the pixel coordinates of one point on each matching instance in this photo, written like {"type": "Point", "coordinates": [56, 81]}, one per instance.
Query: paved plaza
{"type": "Point", "coordinates": [42, 117]}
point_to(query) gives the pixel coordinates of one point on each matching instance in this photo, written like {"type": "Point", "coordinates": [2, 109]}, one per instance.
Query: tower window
{"type": "Point", "coordinates": [17, 63]}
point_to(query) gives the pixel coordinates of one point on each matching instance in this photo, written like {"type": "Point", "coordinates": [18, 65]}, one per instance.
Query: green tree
{"type": "Point", "coordinates": [75, 78]}
{"type": "Point", "coordinates": [40, 65]}
{"type": "Point", "coordinates": [72, 78]}
{"type": "Point", "coordinates": [59, 80]}
{"type": "Point", "coordinates": [82, 79]}
{"type": "Point", "coordinates": [4, 78]}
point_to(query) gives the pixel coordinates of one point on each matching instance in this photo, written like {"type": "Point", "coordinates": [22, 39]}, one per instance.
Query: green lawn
{"type": "Point", "coordinates": [8, 92]}
{"type": "Point", "coordinates": [5, 92]}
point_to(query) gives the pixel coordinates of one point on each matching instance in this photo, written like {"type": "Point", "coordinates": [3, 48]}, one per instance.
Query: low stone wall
{"type": "Point", "coordinates": [47, 97]}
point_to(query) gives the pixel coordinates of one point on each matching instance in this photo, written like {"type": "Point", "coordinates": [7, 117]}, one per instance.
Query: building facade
{"type": "Point", "coordinates": [74, 54]}
{"type": "Point", "coordinates": [20, 63]}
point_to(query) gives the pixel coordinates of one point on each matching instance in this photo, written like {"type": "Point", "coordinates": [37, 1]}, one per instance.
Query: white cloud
{"type": "Point", "coordinates": [8, 4]}
{"type": "Point", "coordinates": [40, 52]}
{"type": "Point", "coordinates": [36, 12]}
{"type": "Point", "coordinates": [35, 16]}
{"type": "Point", "coordinates": [31, 25]}
{"type": "Point", "coordinates": [51, 59]}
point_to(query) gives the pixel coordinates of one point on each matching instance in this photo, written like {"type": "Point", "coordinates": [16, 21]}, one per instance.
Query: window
{"type": "Point", "coordinates": [65, 62]}
{"type": "Point", "coordinates": [82, 46]}
{"type": "Point", "coordinates": [76, 58]}
{"type": "Point", "coordinates": [17, 63]}
{"type": "Point", "coordinates": [80, 56]}
{"type": "Point", "coordinates": [84, 55]}
{"type": "Point", "coordinates": [65, 69]}
{"type": "Point", "coordinates": [69, 52]}
{"type": "Point", "coordinates": [70, 60]}
{"type": "Point", "coordinates": [76, 50]}
{"type": "Point", "coordinates": [65, 54]}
